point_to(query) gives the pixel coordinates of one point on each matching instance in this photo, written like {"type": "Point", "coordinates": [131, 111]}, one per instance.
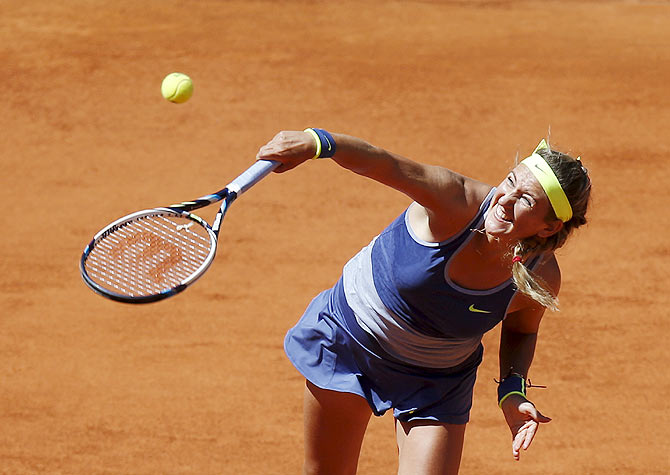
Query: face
{"type": "Point", "coordinates": [519, 208]}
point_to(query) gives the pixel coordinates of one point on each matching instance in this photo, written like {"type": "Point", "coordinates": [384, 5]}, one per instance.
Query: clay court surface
{"type": "Point", "coordinates": [199, 384]}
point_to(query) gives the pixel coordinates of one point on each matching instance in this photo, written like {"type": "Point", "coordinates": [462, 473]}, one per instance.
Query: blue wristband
{"type": "Point", "coordinates": [328, 145]}
{"type": "Point", "coordinates": [512, 384]}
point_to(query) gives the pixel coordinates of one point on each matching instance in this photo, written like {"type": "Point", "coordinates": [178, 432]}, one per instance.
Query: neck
{"type": "Point", "coordinates": [483, 263]}
{"type": "Point", "coordinates": [492, 249]}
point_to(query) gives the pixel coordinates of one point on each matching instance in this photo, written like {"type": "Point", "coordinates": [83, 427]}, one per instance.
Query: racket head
{"type": "Point", "coordinates": [148, 256]}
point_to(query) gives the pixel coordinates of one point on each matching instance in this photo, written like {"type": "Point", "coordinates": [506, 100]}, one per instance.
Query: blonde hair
{"type": "Point", "coordinates": [576, 184]}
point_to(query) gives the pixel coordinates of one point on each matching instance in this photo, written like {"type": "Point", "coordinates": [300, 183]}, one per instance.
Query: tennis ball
{"type": "Point", "coordinates": [177, 87]}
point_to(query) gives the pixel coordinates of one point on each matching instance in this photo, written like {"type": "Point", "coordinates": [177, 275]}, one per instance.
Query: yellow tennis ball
{"type": "Point", "coordinates": [177, 87]}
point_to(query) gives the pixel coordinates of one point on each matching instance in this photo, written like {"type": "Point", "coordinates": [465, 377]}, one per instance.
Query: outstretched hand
{"type": "Point", "coordinates": [523, 419]}
{"type": "Point", "coordinates": [291, 148]}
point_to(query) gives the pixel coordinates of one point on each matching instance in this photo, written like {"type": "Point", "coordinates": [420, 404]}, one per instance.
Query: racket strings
{"type": "Point", "coordinates": [149, 255]}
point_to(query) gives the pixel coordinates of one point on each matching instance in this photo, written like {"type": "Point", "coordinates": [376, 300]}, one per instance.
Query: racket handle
{"type": "Point", "coordinates": [251, 176]}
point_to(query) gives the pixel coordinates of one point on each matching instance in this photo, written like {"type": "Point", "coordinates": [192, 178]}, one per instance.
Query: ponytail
{"type": "Point", "coordinates": [528, 283]}
{"type": "Point", "coordinates": [576, 184]}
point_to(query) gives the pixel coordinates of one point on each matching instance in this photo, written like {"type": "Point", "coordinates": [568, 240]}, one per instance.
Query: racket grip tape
{"type": "Point", "coordinates": [252, 175]}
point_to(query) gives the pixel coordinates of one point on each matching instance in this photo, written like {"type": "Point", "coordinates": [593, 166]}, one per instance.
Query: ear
{"type": "Point", "coordinates": [551, 228]}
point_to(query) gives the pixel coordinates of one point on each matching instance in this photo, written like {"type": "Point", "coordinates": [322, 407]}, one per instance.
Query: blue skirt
{"type": "Point", "coordinates": [333, 352]}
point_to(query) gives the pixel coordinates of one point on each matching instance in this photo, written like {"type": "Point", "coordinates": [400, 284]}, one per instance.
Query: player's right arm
{"type": "Point", "coordinates": [449, 198]}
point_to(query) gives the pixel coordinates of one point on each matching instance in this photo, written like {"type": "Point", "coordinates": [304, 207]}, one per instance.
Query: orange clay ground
{"type": "Point", "coordinates": [199, 384]}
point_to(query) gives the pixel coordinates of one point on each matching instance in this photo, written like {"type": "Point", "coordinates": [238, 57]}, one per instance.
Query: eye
{"type": "Point", "coordinates": [527, 201]}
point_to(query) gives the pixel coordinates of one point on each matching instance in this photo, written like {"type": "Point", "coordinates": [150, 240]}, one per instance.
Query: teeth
{"type": "Point", "coordinates": [500, 214]}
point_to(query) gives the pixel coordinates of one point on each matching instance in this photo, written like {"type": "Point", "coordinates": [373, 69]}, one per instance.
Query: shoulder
{"type": "Point", "coordinates": [550, 272]}
{"type": "Point", "coordinates": [450, 212]}
{"type": "Point", "coordinates": [466, 198]}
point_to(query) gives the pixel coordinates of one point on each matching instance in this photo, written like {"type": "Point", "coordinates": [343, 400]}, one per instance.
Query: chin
{"type": "Point", "coordinates": [493, 227]}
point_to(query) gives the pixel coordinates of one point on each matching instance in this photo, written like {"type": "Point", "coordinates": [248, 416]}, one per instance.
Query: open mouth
{"type": "Point", "coordinates": [499, 213]}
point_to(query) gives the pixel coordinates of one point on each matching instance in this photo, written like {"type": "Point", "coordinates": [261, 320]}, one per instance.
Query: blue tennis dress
{"type": "Point", "coordinates": [397, 331]}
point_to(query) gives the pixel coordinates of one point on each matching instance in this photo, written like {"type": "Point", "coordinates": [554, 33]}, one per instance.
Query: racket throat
{"type": "Point", "coordinates": [228, 200]}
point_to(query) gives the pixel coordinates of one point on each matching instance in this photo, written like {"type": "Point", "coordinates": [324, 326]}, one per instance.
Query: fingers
{"type": "Point", "coordinates": [542, 418]}
{"type": "Point", "coordinates": [530, 410]}
{"type": "Point", "coordinates": [524, 420]}
{"type": "Point", "coordinates": [530, 431]}
{"type": "Point", "coordinates": [287, 145]}
{"type": "Point", "coordinates": [524, 437]}
{"type": "Point", "coordinates": [289, 148]}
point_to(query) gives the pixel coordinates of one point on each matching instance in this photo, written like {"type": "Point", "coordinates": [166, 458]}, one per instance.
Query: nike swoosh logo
{"type": "Point", "coordinates": [329, 146]}
{"type": "Point", "coordinates": [540, 168]}
{"type": "Point", "coordinates": [476, 310]}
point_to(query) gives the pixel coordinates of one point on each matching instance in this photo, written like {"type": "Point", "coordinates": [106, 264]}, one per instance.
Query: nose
{"type": "Point", "coordinates": [507, 199]}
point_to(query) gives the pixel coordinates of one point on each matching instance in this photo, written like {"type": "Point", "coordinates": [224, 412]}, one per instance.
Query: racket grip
{"type": "Point", "coordinates": [255, 173]}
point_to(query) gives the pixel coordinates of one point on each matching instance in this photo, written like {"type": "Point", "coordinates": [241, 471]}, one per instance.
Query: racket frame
{"type": "Point", "coordinates": [121, 222]}
{"type": "Point", "coordinates": [246, 180]}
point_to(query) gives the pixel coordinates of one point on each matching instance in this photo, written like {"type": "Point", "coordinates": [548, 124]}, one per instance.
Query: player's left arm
{"type": "Point", "coordinates": [517, 347]}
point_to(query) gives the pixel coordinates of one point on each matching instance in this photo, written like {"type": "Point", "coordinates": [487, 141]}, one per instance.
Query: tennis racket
{"type": "Point", "coordinates": [154, 254]}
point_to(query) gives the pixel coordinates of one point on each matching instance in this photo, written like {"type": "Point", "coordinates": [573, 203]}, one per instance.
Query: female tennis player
{"type": "Point", "coordinates": [402, 327]}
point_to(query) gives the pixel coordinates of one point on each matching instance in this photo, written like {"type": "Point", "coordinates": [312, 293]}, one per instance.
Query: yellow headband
{"type": "Point", "coordinates": [545, 175]}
